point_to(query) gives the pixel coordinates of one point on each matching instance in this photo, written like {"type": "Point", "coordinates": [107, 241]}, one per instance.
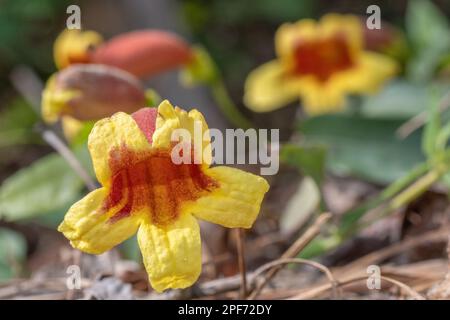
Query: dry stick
{"type": "Point", "coordinates": [222, 285]}
{"type": "Point", "coordinates": [314, 264]}
{"type": "Point", "coordinates": [419, 120]}
{"type": "Point", "coordinates": [383, 254]}
{"type": "Point", "coordinates": [294, 250]}
{"type": "Point", "coordinates": [30, 87]}
{"type": "Point", "coordinates": [309, 295]}
{"type": "Point", "coordinates": [241, 261]}
{"type": "Point", "coordinates": [376, 257]}
{"type": "Point", "coordinates": [52, 139]}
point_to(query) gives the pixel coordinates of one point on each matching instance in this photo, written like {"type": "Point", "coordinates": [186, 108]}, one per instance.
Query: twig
{"type": "Point", "coordinates": [276, 263]}
{"type": "Point", "coordinates": [310, 294]}
{"type": "Point", "coordinates": [407, 244]}
{"type": "Point", "coordinates": [241, 261]}
{"type": "Point", "coordinates": [53, 140]}
{"type": "Point", "coordinates": [294, 250]}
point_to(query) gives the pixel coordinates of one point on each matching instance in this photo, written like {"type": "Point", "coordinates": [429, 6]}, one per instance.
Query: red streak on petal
{"type": "Point", "coordinates": [146, 121]}
{"type": "Point", "coordinates": [150, 181]}
{"type": "Point", "coordinates": [80, 58]}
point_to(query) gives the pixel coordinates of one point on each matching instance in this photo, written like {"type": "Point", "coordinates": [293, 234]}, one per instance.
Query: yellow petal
{"type": "Point", "coordinates": [71, 127]}
{"type": "Point", "coordinates": [90, 230]}
{"type": "Point", "coordinates": [319, 98]}
{"type": "Point", "coordinates": [349, 25]}
{"type": "Point", "coordinates": [267, 88]}
{"type": "Point", "coordinates": [113, 133]}
{"type": "Point", "coordinates": [372, 70]}
{"type": "Point", "coordinates": [288, 33]}
{"type": "Point", "coordinates": [237, 200]}
{"type": "Point", "coordinates": [170, 118]}
{"type": "Point", "coordinates": [72, 46]}
{"type": "Point", "coordinates": [55, 102]}
{"type": "Point", "coordinates": [171, 254]}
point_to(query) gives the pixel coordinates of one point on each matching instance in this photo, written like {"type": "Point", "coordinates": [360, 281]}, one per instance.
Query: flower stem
{"type": "Point", "coordinates": [227, 106]}
{"type": "Point", "coordinates": [241, 261]}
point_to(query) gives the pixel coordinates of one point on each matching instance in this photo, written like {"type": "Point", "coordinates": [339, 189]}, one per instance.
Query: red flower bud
{"type": "Point", "coordinates": [143, 53]}
{"type": "Point", "coordinates": [91, 92]}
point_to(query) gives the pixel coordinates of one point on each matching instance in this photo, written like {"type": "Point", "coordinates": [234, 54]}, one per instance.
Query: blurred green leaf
{"type": "Point", "coordinates": [243, 11]}
{"type": "Point", "coordinates": [429, 32]}
{"type": "Point", "coordinates": [310, 160]}
{"type": "Point", "coordinates": [398, 100]}
{"type": "Point", "coordinates": [13, 249]}
{"type": "Point", "coordinates": [366, 148]}
{"type": "Point", "coordinates": [47, 185]}
{"type": "Point", "coordinates": [16, 124]}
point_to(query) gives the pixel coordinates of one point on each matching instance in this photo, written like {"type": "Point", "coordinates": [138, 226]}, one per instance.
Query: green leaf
{"type": "Point", "coordinates": [366, 148]}
{"type": "Point", "coordinates": [47, 185]}
{"type": "Point", "coordinates": [310, 160]}
{"type": "Point", "coordinates": [16, 124]}
{"type": "Point", "coordinates": [398, 100]}
{"type": "Point", "coordinates": [429, 33]}
{"type": "Point", "coordinates": [13, 249]}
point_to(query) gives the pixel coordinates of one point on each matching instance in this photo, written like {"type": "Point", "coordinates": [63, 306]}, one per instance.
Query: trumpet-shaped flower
{"type": "Point", "coordinates": [143, 191]}
{"type": "Point", "coordinates": [319, 62]}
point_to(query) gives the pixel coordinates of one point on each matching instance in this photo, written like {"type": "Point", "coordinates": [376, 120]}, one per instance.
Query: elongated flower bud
{"type": "Point", "coordinates": [143, 53]}
{"type": "Point", "coordinates": [90, 92]}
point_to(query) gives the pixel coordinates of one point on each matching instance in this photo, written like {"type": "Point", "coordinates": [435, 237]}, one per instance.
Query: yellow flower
{"type": "Point", "coordinates": [74, 46]}
{"type": "Point", "coordinates": [319, 62]}
{"type": "Point", "coordinates": [143, 191]}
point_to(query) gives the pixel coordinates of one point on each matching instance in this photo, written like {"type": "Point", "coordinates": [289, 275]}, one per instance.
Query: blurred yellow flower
{"type": "Point", "coordinates": [143, 191]}
{"type": "Point", "coordinates": [319, 62]}
{"type": "Point", "coordinates": [74, 46]}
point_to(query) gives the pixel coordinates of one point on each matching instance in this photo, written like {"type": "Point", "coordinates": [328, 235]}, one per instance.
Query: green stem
{"type": "Point", "coordinates": [418, 180]}
{"type": "Point", "coordinates": [227, 105]}
{"type": "Point", "coordinates": [350, 219]}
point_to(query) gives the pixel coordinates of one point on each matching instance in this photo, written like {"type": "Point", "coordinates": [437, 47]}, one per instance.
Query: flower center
{"type": "Point", "coordinates": [323, 57]}
{"type": "Point", "coordinates": [151, 181]}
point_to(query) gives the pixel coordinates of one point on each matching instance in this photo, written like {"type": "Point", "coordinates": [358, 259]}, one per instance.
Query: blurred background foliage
{"type": "Point", "coordinates": [362, 142]}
